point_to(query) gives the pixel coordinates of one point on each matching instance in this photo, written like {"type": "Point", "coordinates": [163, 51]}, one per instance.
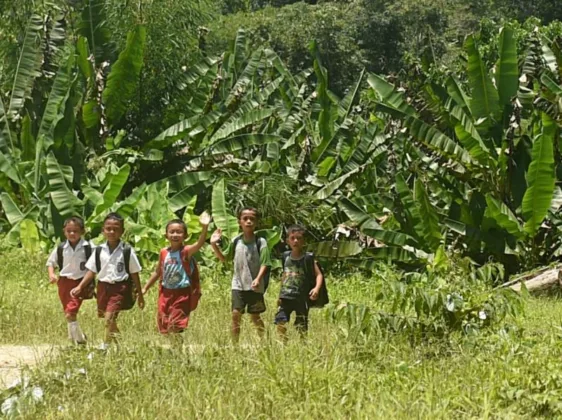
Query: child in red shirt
{"type": "Point", "coordinates": [179, 286]}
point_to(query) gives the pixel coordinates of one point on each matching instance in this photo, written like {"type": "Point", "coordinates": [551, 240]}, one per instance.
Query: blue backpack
{"type": "Point", "coordinates": [258, 245]}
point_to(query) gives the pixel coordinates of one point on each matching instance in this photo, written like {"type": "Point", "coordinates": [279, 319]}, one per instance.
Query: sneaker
{"type": "Point", "coordinates": [103, 347]}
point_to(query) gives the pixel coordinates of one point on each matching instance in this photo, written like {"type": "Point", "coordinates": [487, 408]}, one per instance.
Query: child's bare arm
{"type": "Point", "coordinates": [155, 276]}
{"type": "Point", "coordinates": [85, 281]}
{"type": "Point", "coordinates": [140, 298]}
{"type": "Point", "coordinates": [53, 278]}
{"type": "Point", "coordinates": [215, 238]}
{"type": "Point", "coordinates": [204, 221]}
{"type": "Point", "coordinates": [319, 280]}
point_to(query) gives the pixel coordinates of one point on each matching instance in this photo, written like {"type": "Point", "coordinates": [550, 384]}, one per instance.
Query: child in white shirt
{"type": "Point", "coordinates": [70, 258]}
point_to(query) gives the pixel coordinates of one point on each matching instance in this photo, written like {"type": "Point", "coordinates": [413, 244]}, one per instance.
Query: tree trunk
{"type": "Point", "coordinates": [540, 280]}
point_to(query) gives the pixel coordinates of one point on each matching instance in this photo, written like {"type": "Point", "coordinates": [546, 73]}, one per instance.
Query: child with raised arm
{"type": "Point", "coordinates": [179, 287]}
{"type": "Point", "coordinates": [118, 268]}
{"type": "Point", "coordinates": [251, 260]}
{"type": "Point", "coordinates": [302, 282]}
{"type": "Point", "coordinates": [70, 258]}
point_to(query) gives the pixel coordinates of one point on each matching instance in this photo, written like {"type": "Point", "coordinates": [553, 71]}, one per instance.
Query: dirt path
{"type": "Point", "coordinates": [13, 358]}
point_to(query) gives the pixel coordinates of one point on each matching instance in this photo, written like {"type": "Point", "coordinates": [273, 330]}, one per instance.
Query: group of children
{"type": "Point", "coordinates": [117, 269]}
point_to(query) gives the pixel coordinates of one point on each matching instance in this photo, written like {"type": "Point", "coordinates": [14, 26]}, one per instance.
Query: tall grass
{"type": "Point", "coordinates": [511, 372]}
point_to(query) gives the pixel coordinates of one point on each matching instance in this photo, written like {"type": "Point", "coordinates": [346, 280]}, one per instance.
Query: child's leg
{"type": "Point", "coordinates": [258, 322]}
{"type": "Point", "coordinates": [281, 318]}
{"type": "Point", "coordinates": [74, 331]}
{"type": "Point", "coordinates": [236, 317]}
{"type": "Point", "coordinates": [301, 320]}
{"type": "Point", "coordinates": [111, 329]}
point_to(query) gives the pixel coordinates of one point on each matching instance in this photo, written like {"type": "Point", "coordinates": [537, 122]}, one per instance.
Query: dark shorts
{"type": "Point", "coordinates": [70, 304]}
{"type": "Point", "coordinates": [114, 297]}
{"type": "Point", "coordinates": [248, 298]}
{"type": "Point", "coordinates": [287, 307]}
{"type": "Point", "coordinates": [173, 309]}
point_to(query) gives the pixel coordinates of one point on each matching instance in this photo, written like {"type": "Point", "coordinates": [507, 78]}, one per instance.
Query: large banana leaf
{"type": "Point", "coordinates": [430, 225]}
{"type": "Point", "coordinates": [6, 141]}
{"type": "Point", "coordinates": [245, 77]}
{"type": "Point", "coordinates": [113, 189]}
{"type": "Point", "coordinates": [93, 27]}
{"type": "Point", "coordinates": [29, 63]}
{"type": "Point", "coordinates": [222, 218]}
{"type": "Point", "coordinates": [357, 215]}
{"type": "Point", "coordinates": [54, 110]}
{"type": "Point", "coordinates": [503, 216]}
{"type": "Point", "coordinates": [387, 253]}
{"type": "Point", "coordinates": [540, 177]}
{"type": "Point", "coordinates": [332, 186]}
{"type": "Point", "coordinates": [390, 95]}
{"type": "Point", "coordinates": [27, 140]}
{"type": "Point", "coordinates": [128, 206]}
{"type": "Point", "coordinates": [63, 198]}
{"type": "Point", "coordinates": [188, 179]}
{"type": "Point", "coordinates": [507, 71]}
{"type": "Point", "coordinates": [240, 142]}
{"type": "Point", "coordinates": [173, 133]}
{"type": "Point", "coordinates": [29, 236]}
{"type": "Point", "coordinates": [247, 119]}
{"type": "Point", "coordinates": [123, 79]}
{"type": "Point", "coordinates": [11, 210]}
{"type": "Point", "coordinates": [413, 218]}
{"type": "Point", "coordinates": [485, 99]}
{"type": "Point", "coordinates": [8, 168]}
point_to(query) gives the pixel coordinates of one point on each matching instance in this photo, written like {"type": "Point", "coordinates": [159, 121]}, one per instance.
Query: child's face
{"type": "Point", "coordinates": [175, 233]}
{"type": "Point", "coordinates": [296, 241]}
{"type": "Point", "coordinates": [248, 220]}
{"type": "Point", "coordinates": [72, 232]}
{"type": "Point", "coordinates": [112, 230]}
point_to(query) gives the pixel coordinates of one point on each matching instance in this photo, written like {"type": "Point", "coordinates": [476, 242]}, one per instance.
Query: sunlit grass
{"type": "Point", "coordinates": [497, 374]}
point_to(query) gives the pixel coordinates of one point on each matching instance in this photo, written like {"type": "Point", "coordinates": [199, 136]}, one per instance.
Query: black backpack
{"type": "Point", "coordinates": [60, 250]}
{"type": "Point", "coordinates": [310, 274]}
{"type": "Point", "coordinates": [258, 246]}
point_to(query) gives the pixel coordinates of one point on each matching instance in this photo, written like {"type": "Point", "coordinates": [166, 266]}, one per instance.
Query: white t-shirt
{"type": "Point", "coordinates": [112, 264]}
{"type": "Point", "coordinates": [73, 260]}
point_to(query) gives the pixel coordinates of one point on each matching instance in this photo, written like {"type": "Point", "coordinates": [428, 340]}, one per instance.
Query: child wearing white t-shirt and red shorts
{"type": "Point", "coordinates": [70, 258]}
{"type": "Point", "coordinates": [117, 268]}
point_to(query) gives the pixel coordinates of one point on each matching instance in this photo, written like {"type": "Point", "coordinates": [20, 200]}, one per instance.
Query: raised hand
{"type": "Point", "coordinates": [205, 219]}
{"type": "Point", "coordinates": [216, 236]}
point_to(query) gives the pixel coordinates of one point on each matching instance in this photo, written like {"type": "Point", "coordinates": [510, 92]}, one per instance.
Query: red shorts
{"type": "Point", "coordinates": [173, 309]}
{"type": "Point", "coordinates": [114, 297]}
{"type": "Point", "coordinates": [70, 304]}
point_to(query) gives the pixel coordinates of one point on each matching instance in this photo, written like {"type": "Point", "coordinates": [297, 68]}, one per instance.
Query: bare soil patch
{"type": "Point", "coordinates": [14, 358]}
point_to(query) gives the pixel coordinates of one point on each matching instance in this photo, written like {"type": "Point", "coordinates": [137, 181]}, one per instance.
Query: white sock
{"type": "Point", "coordinates": [69, 327]}
{"type": "Point", "coordinates": [76, 332]}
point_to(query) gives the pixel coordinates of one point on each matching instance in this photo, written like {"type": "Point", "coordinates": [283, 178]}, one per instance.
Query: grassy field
{"type": "Point", "coordinates": [512, 372]}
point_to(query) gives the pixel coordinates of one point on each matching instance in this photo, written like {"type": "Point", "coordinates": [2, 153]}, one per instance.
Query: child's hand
{"type": "Point", "coordinates": [140, 300]}
{"type": "Point", "coordinates": [204, 219]}
{"type": "Point", "coordinates": [76, 291]}
{"type": "Point", "coordinates": [256, 285]}
{"type": "Point", "coordinates": [216, 236]}
{"type": "Point", "coordinates": [314, 293]}
{"type": "Point", "coordinates": [144, 290]}
{"type": "Point", "coordinates": [53, 278]}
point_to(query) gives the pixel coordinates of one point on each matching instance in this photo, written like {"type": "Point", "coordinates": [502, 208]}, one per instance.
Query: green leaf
{"type": "Point", "coordinates": [503, 216]}
{"type": "Point", "coordinates": [223, 220]}
{"type": "Point", "coordinates": [485, 99]}
{"type": "Point", "coordinates": [28, 66]}
{"type": "Point", "coordinates": [7, 167]}
{"type": "Point", "coordinates": [29, 236]}
{"type": "Point", "coordinates": [331, 187]}
{"type": "Point", "coordinates": [173, 133]}
{"type": "Point", "coordinates": [540, 177]}
{"type": "Point", "coordinates": [387, 253]}
{"type": "Point", "coordinates": [94, 27]}
{"type": "Point", "coordinates": [359, 217]}
{"type": "Point", "coordinates": [27, 140]}
{"type": "Point", "coordinates": [54, 110]}
{"type": "Point", "coordinates": [122, 81]}
{"type": "Point", "coordinates": [82, 58]}
{"type": "Point", "coordinates": [390, 95]}
{"type": "Point", "coordinates": [242, 141]}
{"type": "Point", "coordinates": [5, 132]}
{"type": "Point", "coordinates": [63, 198]}
{"type": "Point", "coordinates": [430, 225]}
{"type": "Point", "coordinates": [247, 119]}
{"type": "Point", "coordinates": [507, 71]}
{"type": "Point", "coordinates": [11, 210]}
{"type": "Point", "coordinates": [113, 189]}
{"type": "Point", "coordinates": [339, 249]}
{"type": "Point", "coordinates": [188, 179]}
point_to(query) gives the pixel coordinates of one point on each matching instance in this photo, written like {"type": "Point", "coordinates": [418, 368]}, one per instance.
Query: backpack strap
{"type": "Point", "coordinates": [87, 250]}
{"type": "Point", "coordinates": [127, 257]}
{"type": "Point", "coordinates": [98, 259]}
{"type": "Point", "coordinates": [163, 254]}
{"type": "Point", "coordinates": [286, 255]}
{"type": "Point", "coordinates": [60, 258]}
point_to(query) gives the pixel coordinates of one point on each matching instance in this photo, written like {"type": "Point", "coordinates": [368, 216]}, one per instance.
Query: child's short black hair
{"type": "Point", "coordinates": [76, 220]}
{"type": "Point", "coordinates": [115, 216]}
{"type": "Point", "coordinates": [177, 222]}
{"type": "Point", "coordinates": [247, 208]}
{"type": "Point", "coordinates": [296, 229]}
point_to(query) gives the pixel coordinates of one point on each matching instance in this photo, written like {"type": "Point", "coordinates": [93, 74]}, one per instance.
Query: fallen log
{"type": "Point", "coordinates": [538, 280]}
